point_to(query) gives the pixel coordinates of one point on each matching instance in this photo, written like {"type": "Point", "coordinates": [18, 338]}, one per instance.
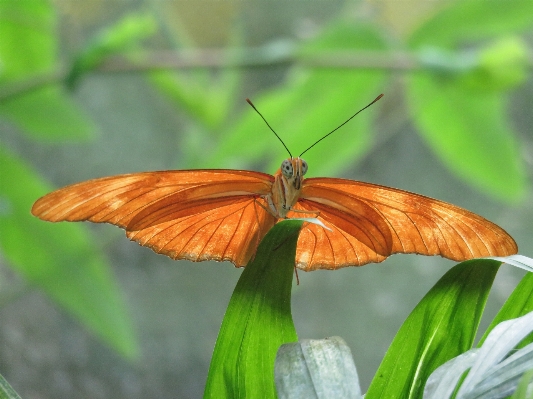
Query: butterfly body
{"type": "Point", "coordinates": [286, 188]}
{"type": "Point", "coordinates": [223, 215]}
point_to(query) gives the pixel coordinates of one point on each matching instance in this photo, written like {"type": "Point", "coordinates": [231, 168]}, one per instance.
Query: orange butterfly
{"type": "Point", "coordinates": [223, 215]}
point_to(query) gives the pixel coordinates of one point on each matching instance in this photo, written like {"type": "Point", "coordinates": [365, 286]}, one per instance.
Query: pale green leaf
{"type": "Point", "coordinates": [59, 259]}
{"type": "Point", "coordinates": [47, 114]}
{"type": "Point", "coordinates": [469, 131]}
{"type": "Point", "coordinates": [316, 369]}
{"type": "Point", "coordinates": [28, 44]}
{"type": "Point", "coordinates": [467, 20]}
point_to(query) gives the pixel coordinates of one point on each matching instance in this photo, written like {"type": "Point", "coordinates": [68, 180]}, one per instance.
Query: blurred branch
{"type": "Point", "coordinates": [22, 86]}
{"type": "Point", "coordinates": [280, 53]}
{"type": "Point", "coordinates": [214, 58]}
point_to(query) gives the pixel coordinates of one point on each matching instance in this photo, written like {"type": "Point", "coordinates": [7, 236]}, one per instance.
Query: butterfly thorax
{"type": "Point", "coordinates": [286, 187]}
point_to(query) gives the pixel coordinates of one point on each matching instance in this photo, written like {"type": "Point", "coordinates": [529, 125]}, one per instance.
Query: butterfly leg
{"type": "Point", "coordinates": [271, 209]}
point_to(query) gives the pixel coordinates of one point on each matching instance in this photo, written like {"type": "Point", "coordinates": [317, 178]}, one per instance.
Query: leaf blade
{"type": "Point", "coordinates": [452, 308]}
{"type": "Point", "coordinates": [470, 133]}
{"type": "Point", "coordinates": [257, 321]}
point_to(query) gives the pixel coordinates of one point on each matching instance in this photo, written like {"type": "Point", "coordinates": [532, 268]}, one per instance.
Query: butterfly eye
{"type": "Point", "coordinates": [286, 168]}
{"type": "Point", "coordinates": [304, 167]}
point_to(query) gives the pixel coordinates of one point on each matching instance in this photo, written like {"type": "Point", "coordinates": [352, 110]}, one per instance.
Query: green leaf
{"type": "Point", "coordinates": [27, 49]}
{"type": "Point", "coordinates": [469, 131]}
{"type": "Point", "coordinates": [519, 303]}
{"type": "Point", "coordinates": [205, 101]}
{"type": "Point", "coordinates": [205, 95]}
{"type": "Point", "coordinates": [503, 64]}
{"type": "Point", "coordinates": [258, 320]}
{"type": "Point", "coordinates": [308, 106]}
{"type": "Point", "coordinates": [28, 44]}
{"type": "Point", "coordinates": [48, 114]}
{"type": "Point", "coordinates": [123, 36]}
{"type": "Point", "coordinates": [59, 259]}
{"type": "Point", "coordinates": [497, 66]}
{"type": "Point", "coordinates": [6, 391]}
{"type": "Point", "coordinates": [467, 20]}
{"type": "Point", "coordinates": [443, 325]}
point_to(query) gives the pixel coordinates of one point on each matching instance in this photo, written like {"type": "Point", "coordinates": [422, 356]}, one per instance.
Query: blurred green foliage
{"type": "Point", "coordinates": [464, 59]}
{"type": "Point", "coordinates": [28, 52]}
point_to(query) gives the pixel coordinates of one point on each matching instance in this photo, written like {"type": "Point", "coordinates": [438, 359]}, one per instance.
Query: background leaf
{"type": "Point", "coordinates": [468, 130]}
{"type": "Point", "coordinates": [28, 48]}
{"type": "Point", "coordinates": [466, 20]}
{"type": "Point", "coordinates": [122, 37]}
{"type": "Point", "coordinates": [48, 114]}
{"type": "Point", "coordinates": [28, 44]}
{"type": "Point", "coordinates": [59, 259]}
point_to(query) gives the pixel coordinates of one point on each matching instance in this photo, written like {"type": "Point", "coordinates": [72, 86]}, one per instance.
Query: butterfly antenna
{"type": "Point", "coordinates": [270, 127]}
{"type": "Point", "coordinates": [342, 124]}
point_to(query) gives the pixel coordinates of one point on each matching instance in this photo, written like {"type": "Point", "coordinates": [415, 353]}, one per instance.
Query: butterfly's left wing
{"type": "Point", "coordinates": [370, 222]}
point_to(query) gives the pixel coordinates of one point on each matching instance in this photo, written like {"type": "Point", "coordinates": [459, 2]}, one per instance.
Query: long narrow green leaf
{"type": "Point", "coordinates": [258, 320]}
{"type": "Point", "coordinates": [522, 390]}
{"type": "Point", "coordinates": [59, 259]}
{"type": "Point", "coordinates": [443, 325]}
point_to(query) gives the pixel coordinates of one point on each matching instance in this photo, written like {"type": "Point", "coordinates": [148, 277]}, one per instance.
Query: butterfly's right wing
{"type": "Point", "coordinates": [195, 215]}
{"type": "Point", "coordinates": [224, 229]}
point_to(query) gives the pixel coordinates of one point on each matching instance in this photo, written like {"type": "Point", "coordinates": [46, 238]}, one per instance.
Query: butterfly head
{"type": "Point", "coordinates": [293, 170]}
